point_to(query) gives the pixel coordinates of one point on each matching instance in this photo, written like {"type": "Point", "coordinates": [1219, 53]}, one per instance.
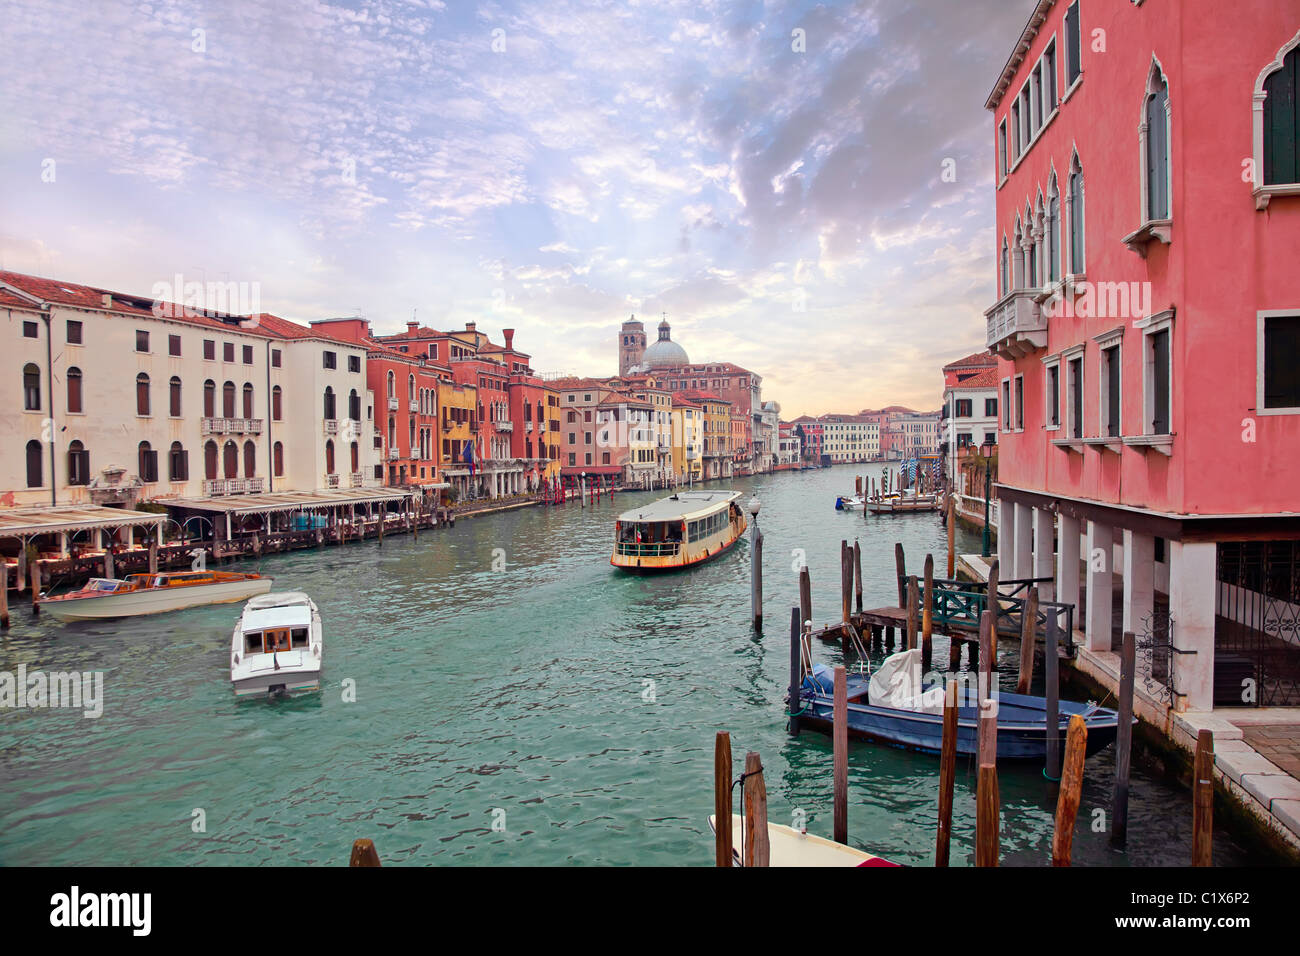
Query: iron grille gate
{"type": "Point", "coordinates": [1257, 624]}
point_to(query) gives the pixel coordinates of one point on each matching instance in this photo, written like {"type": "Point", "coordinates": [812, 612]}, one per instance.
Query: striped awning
{"type": "Point", "coordinates": [57, 519]}
{"type": "Point", "coordinates": [289, 500]}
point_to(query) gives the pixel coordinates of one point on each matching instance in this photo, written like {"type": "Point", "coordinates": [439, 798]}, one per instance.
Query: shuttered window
{"type": "Point", "coordinates": [1160, 382]}
{"type": "Point", "coordinates": [1077, 264]}
{"type": "Point", "coordinates": [1281, 122]}
{"type": "Point", "coordinates": [1110, 359]}
{"type": "Point", "coordinates": [1073, 51]}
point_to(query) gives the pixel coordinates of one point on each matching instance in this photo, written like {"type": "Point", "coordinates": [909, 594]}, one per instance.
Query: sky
{"type": "Point", "coordinates": [804, 189]}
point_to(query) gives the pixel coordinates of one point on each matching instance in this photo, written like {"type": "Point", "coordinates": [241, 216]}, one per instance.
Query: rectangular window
{"type": "Point", "coordinates": [173, 345]}
{"type": "Point", "coordinates": [248, 355]}
{"type": "Point", "coordinates": [354, 363]}
{"type": "Point", "coordinates": [1054, 396]}
{"type": "Point", "coordinates": [74, 332]}
{"type": "Point", "coordinates": [963, 408]}
{"type": "Point", "coordinates": [1110, 397]}
{"type": "Point", "coordinates": [329, 360]}
{"type": "Point", "coordinates": [1002, 149]}
{"type": "Point", "coordinates": [1015, 131]}
{"type": "Point", "coordinates": [141, 340]}
{"type": "Point", "coordinates": [990, 408]}
{"type": "Point", "coordinates": [29, 330]}
{"type": "Point", "coordinates": [1281, 361]}
{"type": "Point", "coordinates": [1075, 385]}
{"type": "Point", "coordinates": [1006, 405]}
{"type": "Point", "coordinates": [1020, 403]}
{"type": "Point", "coordinates": [275, 358]}
{"type": "Point", "coordinates": [1073, 50]}
{"type": "Point", "coordinates": [209, 350]}
{"type": "Point", "coordinates": [227, 351]}
{"type": "Point", "coordinates": [1049, 80]}
{"type": "Point", "coordinates": [1160, 399]}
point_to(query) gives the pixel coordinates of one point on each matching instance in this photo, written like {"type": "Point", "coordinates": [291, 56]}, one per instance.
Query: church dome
{"type": "Point", "coordinates": [664, 353]}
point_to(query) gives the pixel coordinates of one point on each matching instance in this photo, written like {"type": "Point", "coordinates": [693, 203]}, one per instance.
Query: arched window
{"type": "Point", "coordinates": [34, 464]}
{"type": "Point", "coordinates": [354, 406]}
{"type": "Point", "coordinates": [78, 464]}
{"type": "Point", "coordinates": [31, 387]}
{"type": "Point", "coordinates": [1006, 280]}
{"type": "Point", "coordinates": [230, 460]}
{"type": "Point", "coordinates": [142, 394]}
{"type": "Point", "coordinates": [329, 457]}
{"type": "Point", "coordinates": [410, 388]}
{"type": "Point", "coordinates": [250, 460]}
{"type": "Point", "coordinates": [178, 463]}
{"type": "Point", "coordinates": [329, 404]}
{"type": "Point", "coordinates": [356, 458]}
{"type": "Point", "coordinates": [228, 400]}
{"type": "Point", "coordinates": [392, 385]}
{"type": "Point", "coordinates": [74, 390]}
{"type": "Point", "coordinates": [1034, 223]}
{"type": "Point", "coordinates": [277, 454]}
{"type": "Point", "coordinates": [1052, 231]}
{"type": "Point", "coordinates": [210, 461]}
{"type": "Point", "coordinates": [1278, 117]}
{"type": "Point", "coordinates": [209, 399]}
{"type": "Point", "coordinates": [1074, 208]}
{"type": "Point", "coordinates": [147, 463]}
{"type": "Point", "coordinates": [1018, 256]}
{"type": "Point", "coordinates": [248, 400]}
{"type": "Point", "coordinates": [1155, 147]}
{"type": "Point", "coordinates": [276, 413]}
{"type": "Point", "coordinates": [174, 397]}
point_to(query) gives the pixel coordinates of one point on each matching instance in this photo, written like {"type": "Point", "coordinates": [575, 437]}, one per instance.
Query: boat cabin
{"type": "Point", "coordinates": [677, 531]}
{"type": "Point", "coordinates": [279, 628]}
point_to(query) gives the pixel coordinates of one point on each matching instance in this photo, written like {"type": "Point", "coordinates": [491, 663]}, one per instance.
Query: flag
{"type": "Point", "coordinates": [469, 456]}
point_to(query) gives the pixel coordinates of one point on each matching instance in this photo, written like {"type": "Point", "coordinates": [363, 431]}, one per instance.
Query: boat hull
{"type": "Point", "coordinates": [154, 600]}
{"type": "Point", "coordinates": [1022, 727]}
{"type": "Point", "coordinates": [680, 566]}
{"type": "Point", "coordinates": [789, 847]}
{"type": "Point", "coordinates": [288, 683]}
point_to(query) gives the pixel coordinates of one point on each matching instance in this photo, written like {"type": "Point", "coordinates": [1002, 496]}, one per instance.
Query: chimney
{"type": "Point", "coordinates": [471, 326]}
{"type": "Point", "coordinates": [510, 337]}
{"type": "Point", "coordinates": [411, 327]}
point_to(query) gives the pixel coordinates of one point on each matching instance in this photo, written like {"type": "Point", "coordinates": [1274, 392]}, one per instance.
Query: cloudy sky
{"type": "Point", "coordinates": [547, 166]}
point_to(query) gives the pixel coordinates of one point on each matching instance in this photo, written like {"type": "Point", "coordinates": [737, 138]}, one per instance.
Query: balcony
{"type": "Point", "coordinates": [232, 486]}
{"type": "Point", "coordinates": [357, 479]}
{"type": "Point", "coordinates": [231, 426]}
{"type": "Point", "coordinates": [392, 404]}
{"type": "Point", "coordinates": [394, 454]}
{"type": "Point", "coordinates": [1016, 325]}
{"type": "Point", "coordinates": [505, 426]}
{"type": "Point", "coordinates": [331, 481]}
{"type": "Point", "coordinates": [528, 427]}
{"type": "Point", "coordinates": [331, 426]}
{"type": "Point", "coordinates": [415, 407]}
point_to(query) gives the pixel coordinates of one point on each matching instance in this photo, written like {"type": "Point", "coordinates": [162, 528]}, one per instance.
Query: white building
{"type": "Point", "coordinates": [849, 438]}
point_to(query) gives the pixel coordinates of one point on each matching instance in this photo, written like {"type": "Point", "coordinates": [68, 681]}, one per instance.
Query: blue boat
{"type": "Point", "coordinates": [1022, 719]}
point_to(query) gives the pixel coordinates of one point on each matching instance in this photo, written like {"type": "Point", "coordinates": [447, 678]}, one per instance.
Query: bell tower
{"type": "Point", "coordinates": [631, 345]}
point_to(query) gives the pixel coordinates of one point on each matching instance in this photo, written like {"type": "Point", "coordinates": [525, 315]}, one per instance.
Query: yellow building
{"type": "Point", "coordinates": [717, 433]}
{"type": "Point", "coordinates": [458, 427]}
{"type": "Point", "coordinates": [687, 440]}
{"type": "Point", "coordinates": [548, 439]}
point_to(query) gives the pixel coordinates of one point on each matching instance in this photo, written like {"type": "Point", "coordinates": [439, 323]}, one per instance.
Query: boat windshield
{"type": "Point", "coordinates": [104, 585]}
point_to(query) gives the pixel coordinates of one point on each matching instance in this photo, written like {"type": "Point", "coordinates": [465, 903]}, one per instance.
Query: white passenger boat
{"type": "Point", "coordinates": [102, 598]}
{"type": "Point", "coordinates": [679, 531]}
{"type": "Point", "coordinates": [277, 646]}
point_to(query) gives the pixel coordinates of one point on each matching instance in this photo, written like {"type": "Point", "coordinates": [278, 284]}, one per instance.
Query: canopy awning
{"type": "Point", "coordinates": [290, 500]}
{"type": "Point", "coordinates": [56, 519]}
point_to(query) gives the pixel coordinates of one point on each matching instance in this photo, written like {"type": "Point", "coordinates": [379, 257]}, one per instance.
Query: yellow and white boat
{"type": "Point", "coordinates": [790, 847]}
{"type": "Point", "coordinates": [103, 598]}
{"type": "Point", "coordinates": [679, 531]}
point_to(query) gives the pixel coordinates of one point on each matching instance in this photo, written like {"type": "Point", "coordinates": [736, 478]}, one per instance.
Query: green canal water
{"type": "Point", "coordinates": [505, 674]}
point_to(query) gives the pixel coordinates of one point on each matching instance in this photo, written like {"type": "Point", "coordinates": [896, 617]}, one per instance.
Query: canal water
{"type": "Point", "coordinates": [497, 694]}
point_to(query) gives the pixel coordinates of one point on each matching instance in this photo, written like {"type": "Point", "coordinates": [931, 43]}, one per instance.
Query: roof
{"type": "Point", "coordinates": [683, 505]}
{"type": "Point", "coordinates": [975, 360]}
{"type": "Point", "coordinates": [287, 615]}
{"type": "Point", "coordinates": [1036, 18]}
{"type": "Point", "coordinates": [288, 500]}
{"type": "Point", "coordinates": [983, 380]}
{"type": "Point", "coordinates": [24, 522]}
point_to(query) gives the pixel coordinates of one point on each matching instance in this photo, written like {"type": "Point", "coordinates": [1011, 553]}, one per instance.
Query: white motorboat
{"type": "Point", "coordinates": [277, 646]}
{"type": "Point", "coordinates": [103, 598]}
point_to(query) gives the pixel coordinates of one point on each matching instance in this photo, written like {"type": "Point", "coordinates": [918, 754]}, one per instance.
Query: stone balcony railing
{"type": "Point", "coordinates": [331, 426]}
{"type": "Point", "coordinates": [357, 479]}
{"type": "Point", "coordinates": [232, 486]}
{"type": "Point", "coordinates": [1016, 325]}
{"type": "Point", "coordinates": [331, 481]}
{"type": "Point", "coordinates": [505, 426]}
{"type": "Point", "coordinates": [392, 404]}
{"type": "Point", "coordinates": [231, 426]}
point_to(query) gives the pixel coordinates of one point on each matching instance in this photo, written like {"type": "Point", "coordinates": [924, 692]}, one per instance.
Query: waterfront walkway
{"type": "Point", "coordinates": [1256, 749]}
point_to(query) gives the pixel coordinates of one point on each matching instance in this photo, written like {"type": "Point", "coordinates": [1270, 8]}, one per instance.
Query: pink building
{"type": "Point", "coordinates": [1148, 331]}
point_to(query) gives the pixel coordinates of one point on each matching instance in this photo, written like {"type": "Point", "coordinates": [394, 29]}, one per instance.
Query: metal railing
{"type": "Point", "coordinates": [962, 604]}
{"type": "Point", "coordinates": [662, 550]}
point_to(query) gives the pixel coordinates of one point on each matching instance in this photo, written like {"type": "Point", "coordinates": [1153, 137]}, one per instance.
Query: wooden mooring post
{"type": "Point", "coordinates": [1123, 740]}
{"type": "Point", "coordinates": [36, 587]}
{"type": "Point", "coordinates": [757, 849]}
{"type": "Point", "coordinates": [840, 747]}
{"type": "Point", "coordinates": [900, 566]}
{"type": "Point", "coordinates": [927, 612]}
{"type": "Point", "coordinates": [987, 810]}
{"type": "Point", "coordinates": [796, 670]}
{"type": "Point", "coordinates": [1067, 804]}
{"type": "Point", "coordinates": [364, 853]}
{"type": "Point", "coordinates": [1028, 638]}
{"type": "Point", "coordinates": [952, 537]}
{"type": "Point", "coordinates": [947, 774]}
{"type": "Point", "coordinates": [805, 594]}
{"type": "Point", "coordinates": [846, 584]}
{"type": "Point", "coordinates": [4, 596]}
{"type": "Point", "coordinates": [1203, 800]}
{"type": "Point", "coordinates": [1051, 676]}
{"type": "Point", "coordinates": [723, 854]}
{"type": "Point", "coordinates": [857, 575]}
{"type": "Point", "coordinates": [913, 599]}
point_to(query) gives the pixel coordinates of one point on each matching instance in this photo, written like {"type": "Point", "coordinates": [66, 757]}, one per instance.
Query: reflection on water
{"type": "Point", "coordinates": [573, 704]}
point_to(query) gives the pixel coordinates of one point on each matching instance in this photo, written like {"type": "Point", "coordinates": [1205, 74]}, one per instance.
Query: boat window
{"type": "Point", "coordinates": [253, 643]}
{"type": "Point", "coordinates": [160, 582]}
{"type": "Point", "coordinates": [300, 637]}
{"type": "Point", "coordinates": [278, 640]}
